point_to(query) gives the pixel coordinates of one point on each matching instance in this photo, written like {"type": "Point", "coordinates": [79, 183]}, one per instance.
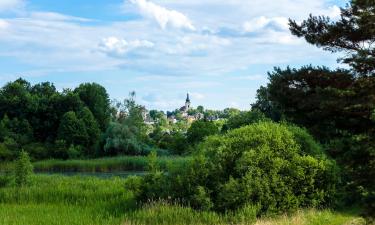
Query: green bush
{"type": "Point", "coordinates": [306, 141]}
{"type": "Point", "coordinates": [23, 169]}
{"type": "Point", "coordinates": [263, 164]}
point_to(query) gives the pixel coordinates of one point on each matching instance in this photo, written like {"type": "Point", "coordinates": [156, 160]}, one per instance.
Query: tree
{"type": "Point", "coordinates": [353, 33]}
{"type": "Point", "coordinates": [199, 130]}
{"type": "Point", "coordinates": [23, 169]}
{"type": "Point", "coordinates": [72, 130]}
{"type": "Point", "coordinates": [17, 129]}
{"type": "Point", "coordinates": [96, 99]}
{"type": "Point", "coordinates": [45, 119]}
{"type": "Point", "coordinates": [244, 118]}
{"type": "Point", "coordinates": [336, 106]}
{"type": "Point", "coordinates": [16, 100]}
{"type": "Point", "coordinates": [122, 139]}
{"type": "Point", "coordinates": [319, 99]}
{"type": "Point", "coordinates": [265, 105]}
{"type": "Point", "coordinates": [92, 129]}
{"type": "Point", "coordinates": [200, 109]}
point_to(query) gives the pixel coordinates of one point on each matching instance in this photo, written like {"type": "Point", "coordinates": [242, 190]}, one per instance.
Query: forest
{"type": "Point", "coordinates": [306, 148]}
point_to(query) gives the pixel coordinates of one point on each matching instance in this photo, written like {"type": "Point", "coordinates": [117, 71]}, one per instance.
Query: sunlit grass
{"type": "Point", "coordinates": [61, 200]}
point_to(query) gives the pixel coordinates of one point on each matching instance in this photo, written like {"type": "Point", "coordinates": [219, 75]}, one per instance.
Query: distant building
{"type": "Point", "coordinates": [185, 109]}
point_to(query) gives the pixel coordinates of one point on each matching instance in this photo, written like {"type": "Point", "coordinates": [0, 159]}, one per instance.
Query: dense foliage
{"type": "Point", "coordinates": [270, 167]}
{"type": "Point", "coordinates": [336, 106]}
{"type": "Point", "coordinates": [48, 123]}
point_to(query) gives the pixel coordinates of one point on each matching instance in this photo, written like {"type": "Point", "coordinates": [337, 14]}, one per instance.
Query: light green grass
{"type": "Point", "coordinates": [56, 214]}
{"type": "Point", "coordinates": [314, 217]}
{"type": "Point", "coordinates": [60, 200]}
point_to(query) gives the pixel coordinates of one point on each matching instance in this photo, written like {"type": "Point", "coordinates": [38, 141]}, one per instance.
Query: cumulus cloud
{"type": "Point", "coordinates": [163, 16]}
{"type": "Point", "coordinates": [119, 47]}
{"type": "Point", "coordinates": [9, 5]}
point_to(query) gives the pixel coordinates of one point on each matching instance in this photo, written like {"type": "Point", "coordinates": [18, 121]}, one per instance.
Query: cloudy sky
{"type": "Point", "coordinates": [217, 50]}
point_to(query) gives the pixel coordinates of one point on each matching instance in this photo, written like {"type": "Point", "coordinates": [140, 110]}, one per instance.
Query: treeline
{"type": "Point", "coordinates": [48, 123]}
{"type": "Point", "coordinates": [84, 123]}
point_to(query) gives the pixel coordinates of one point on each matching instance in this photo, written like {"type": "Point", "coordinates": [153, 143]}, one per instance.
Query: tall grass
{"type": "Point", "coordinates": [113, 164]}
{"type": "Point", "coordinates": [66, 200]}
{"type": "Point", "coordinates": [52, 214]}
{"type": "Point", "coordinates": [61, 200]}
{"type": "Point", "coordinates": [163, 214]}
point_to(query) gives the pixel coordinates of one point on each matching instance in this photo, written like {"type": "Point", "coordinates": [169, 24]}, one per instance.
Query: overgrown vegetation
{"type": "Point", "coordinates": [261, 164]}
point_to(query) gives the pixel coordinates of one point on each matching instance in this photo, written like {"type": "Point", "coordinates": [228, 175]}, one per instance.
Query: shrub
{"type": "Point", "coordinates": [306, 141]}
{"type": "Point", "coordinates": [23, 169]}
{"type": "Point", "coordinates": [262, 164]}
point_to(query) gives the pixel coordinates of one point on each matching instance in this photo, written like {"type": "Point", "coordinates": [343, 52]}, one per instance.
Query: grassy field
{"type": "Point", "coordinates": [59, 200]}
{"type": "Point", "coordinates": [111, 164]}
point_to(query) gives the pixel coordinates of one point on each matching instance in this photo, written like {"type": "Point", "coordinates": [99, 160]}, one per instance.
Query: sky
{"type": "Point", "coordinates": [217, 50]}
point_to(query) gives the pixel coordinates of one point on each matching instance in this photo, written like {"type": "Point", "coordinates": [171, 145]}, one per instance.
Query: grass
{"type": "Point", "coordinates": [52, 214]}
{"type": "Point", "coordinates": [110, 164]}
{"type": "Point", "coordinates": [66, 200]}
{"type": "Point", "coordinates": [60, 200]}
{"type": "Point", "coordinates": [314, 217]}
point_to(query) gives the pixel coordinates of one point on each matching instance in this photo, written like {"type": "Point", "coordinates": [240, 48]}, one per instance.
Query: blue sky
{"type": "Point", "coordinates": [217, 50]}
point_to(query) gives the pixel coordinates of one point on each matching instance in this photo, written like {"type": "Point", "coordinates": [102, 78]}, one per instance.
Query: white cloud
{"type": "Point", "coordinates": [3, 24]}
{"type": "Point", "coordinates": [10, 5]}
{"type": "Point", "coordinates": [163, 16]}
{"type": "Point", "coordinates": [333, 12]}
{"type": "Point", "coordinates": [263, 22]}
{"type": "Point", "coordinates": [40, 41]}
{"type": "Point", "coordinates": [52, 16]}
{"type": "Point", "coordinates": [119, 47]}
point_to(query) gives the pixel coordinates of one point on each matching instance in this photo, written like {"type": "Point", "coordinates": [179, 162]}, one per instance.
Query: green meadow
{"type": "Point", "coordinates": [61, 200]}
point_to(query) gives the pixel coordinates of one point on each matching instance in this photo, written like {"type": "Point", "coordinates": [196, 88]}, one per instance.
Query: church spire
{"type": "Point", "coordinates": [187, 98]}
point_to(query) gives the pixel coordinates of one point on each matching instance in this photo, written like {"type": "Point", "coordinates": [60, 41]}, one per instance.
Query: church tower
{"type": "Point", "coordinates": [187, 103]}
